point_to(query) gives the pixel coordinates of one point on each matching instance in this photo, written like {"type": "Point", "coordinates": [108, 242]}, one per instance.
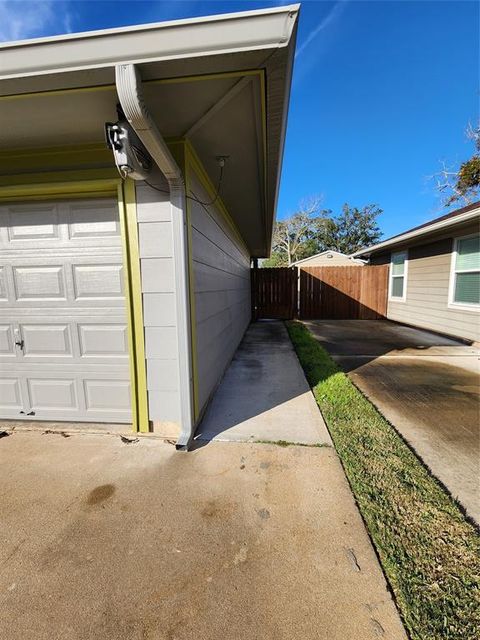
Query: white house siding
{"type": "Point", "coordinates": [158, 293]}
{"type": "Point", "coordinates": [426, 303]}
{"type": "Point", "coordinates": [221, 278]}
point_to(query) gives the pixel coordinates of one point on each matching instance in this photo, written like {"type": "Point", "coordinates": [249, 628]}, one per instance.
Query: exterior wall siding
{"type": "Point", "coordinates": [158, 295]}
{"type": "Point", "coordinates": [335, 260]}
{"type": "Point", "coordinates": [221, 282]}
{"type": "Point", "coordinates": [428, 280]}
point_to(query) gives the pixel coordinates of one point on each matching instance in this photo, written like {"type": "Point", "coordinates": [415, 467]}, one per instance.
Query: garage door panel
{"type": "Point", "coordinates": [107, 395]}
{"type": "Point", "coordinates": [10, 394]}
{"type": "Point", "coordinates": [3, 284]}
{"type": "Point", "coordinates": [46, 340]}
{"type": "Point", "coordinates": [39, 283]}
{"type": "Point", "coordinates": [52, 393]}
{"type": "Point", "coordinates": [103, 340]}
{"type": "Point", "coordinates": [90, 280]}
{"type": "Point", "coordinates": [98, 281]}
{"type": "Point", "coordinates": [93, 220]}
{"type": "Point", "coordinates": [60, 224]}
{"type": "Point", "coordinates": [7, 343]}
{"type": "Point", "coordinates": [25, 223]}
{"type": "Point", "coordinates": [62, 292]}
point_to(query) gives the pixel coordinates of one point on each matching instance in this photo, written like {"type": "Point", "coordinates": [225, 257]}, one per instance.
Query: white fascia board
{"type": "Point", "coordinates": [412, 235]}
{"type": "Point", "coordinates": [212, 35]}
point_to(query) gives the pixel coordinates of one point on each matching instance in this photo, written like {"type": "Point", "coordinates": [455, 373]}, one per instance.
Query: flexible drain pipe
{"type": "Point", "coordinates": [129, 89]}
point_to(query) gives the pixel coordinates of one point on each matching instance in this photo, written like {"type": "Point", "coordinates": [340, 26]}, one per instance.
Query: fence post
{"type": "Point", "coordinates": [296, 290]}
{"type": "Point", "coordinates": [254, 291]}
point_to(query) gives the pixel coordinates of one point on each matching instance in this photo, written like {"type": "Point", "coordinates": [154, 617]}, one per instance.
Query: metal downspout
{"type": "Point", "coordinates": [129, 89]}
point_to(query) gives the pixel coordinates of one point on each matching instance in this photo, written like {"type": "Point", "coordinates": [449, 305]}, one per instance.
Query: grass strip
{"type": "Point", "coordinates": [429, 550]}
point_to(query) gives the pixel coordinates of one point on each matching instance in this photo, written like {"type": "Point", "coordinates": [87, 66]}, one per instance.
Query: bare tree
{"type": "Point", "coordinates": [473, 134]}
{"type": "Point", "coordinates": [291, 234]}
{"type": "Point", "coordinates": [460, 183]}
{"type": "Point", "coordinates": [446, 185]}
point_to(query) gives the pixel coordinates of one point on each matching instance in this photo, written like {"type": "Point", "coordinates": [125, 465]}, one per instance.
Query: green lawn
{"type": "Point", "coordinates": [429, 551]}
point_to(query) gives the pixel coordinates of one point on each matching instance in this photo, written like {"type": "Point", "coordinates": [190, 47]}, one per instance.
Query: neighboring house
{"type": "Point", "coordinates": [434, 278]}
{"type": "Point", "coordinates": [123, 301]}
{"type": "Point", "coordinates": [329, 258]}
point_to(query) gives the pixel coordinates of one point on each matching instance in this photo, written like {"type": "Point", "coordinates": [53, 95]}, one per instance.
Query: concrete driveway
{"type": "Point", "coordinates": [264, 394]}
{"type": "Point", "coordinates": [426, 385]}
{"type": "Point", "coordinates": [105, 540]}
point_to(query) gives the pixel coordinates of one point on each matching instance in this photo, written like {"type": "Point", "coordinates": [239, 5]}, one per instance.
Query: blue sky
{"type": "Point", "coordinates": [382, 91]}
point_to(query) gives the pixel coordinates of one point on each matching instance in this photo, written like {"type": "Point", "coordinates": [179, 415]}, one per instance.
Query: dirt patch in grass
{"type": "Point", "coordinates": [429, 550]}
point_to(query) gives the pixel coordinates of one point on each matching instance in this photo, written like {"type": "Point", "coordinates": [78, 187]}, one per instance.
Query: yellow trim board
{"type": "Point", "coordinates": [94, 179]}
{"type": "Point", "coordinates": [112, 87]}
{"type": "Point", "coordinates": [82, 157]}
{"type": "Point", "coordinates": [54, 190]}
{"type": "Point", "coordinates": [133, 288]}
{"type": "Point", "coordinates": [48, 151]}
{"type": "Point", "coordinates": [206, 76]}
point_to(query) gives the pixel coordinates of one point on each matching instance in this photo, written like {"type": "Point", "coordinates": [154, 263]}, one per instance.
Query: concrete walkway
{"type": "Point", "coordinates": [264, 394]}
{"type": "Point", "coordinates": [427, 385]}
{"type": "Point", "coordinates": [105, 540]}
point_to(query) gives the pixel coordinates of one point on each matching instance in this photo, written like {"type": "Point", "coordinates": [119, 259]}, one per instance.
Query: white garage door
{"type": "Point", "coordinates": [63, 326]}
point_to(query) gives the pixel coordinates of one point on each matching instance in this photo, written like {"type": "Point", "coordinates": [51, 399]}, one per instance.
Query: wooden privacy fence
{"type": "Point", "coordinates": [320, 292]}
{"type": "Point", "coordinates": [357, 293]}
{"type": "Point", "coordinates": [274, 293]}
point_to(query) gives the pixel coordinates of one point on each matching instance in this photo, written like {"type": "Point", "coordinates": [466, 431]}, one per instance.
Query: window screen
{"type": "Point", "coordinates": [398, 274]}
{"type": "Point", "coordinates": [467, 271]}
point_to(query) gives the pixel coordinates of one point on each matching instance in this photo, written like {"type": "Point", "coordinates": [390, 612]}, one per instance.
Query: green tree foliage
{"type": "Point", "coordinates": [468, 181]}
{"type": "Point", "coordinates": [311, 230]}
{"type": "Point", "coordinates": [353, 229]}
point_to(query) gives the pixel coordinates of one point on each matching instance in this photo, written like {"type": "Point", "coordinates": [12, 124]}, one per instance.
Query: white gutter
{"type": "Point", "coordinates": [129, 89]}
{"type": "Point", "coordinates": [211, 35]}
{"type": "Point", "coordinates": [416, 233]}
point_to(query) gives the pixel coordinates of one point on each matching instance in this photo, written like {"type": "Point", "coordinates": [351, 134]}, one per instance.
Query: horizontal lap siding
{"type": "Point", "coordinates": [221, 281]}
{"type": "Point", "coordinates": [155, 238]}
{"type": "Point", "coordinates": [426, 304]}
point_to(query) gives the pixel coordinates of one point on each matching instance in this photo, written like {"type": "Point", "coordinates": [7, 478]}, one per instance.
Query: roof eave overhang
{"type": "Point", "coordinates": [213, 35]}
{"type": "Point", "coordinates": [87, 59]}
{"type": "Point", "coordinates": [418, 234]}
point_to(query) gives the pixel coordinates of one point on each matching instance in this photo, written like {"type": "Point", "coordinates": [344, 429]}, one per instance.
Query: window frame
{"type": "Point", "coordinates": [391, 297]}
{"type": "Point", "coordinates": [467, 306]}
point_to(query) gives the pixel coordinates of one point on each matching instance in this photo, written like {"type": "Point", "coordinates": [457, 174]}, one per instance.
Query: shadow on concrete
{"type": "Point", "coordinates": [354, 343]}
{"type": "Point", "coordinates": [264, 394]}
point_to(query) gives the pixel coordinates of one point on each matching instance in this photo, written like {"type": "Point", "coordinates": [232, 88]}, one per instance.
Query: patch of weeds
{"type": "Point", "coordinates": [429, 550]}
{"type": "Point", "coordinates": [286, 443]}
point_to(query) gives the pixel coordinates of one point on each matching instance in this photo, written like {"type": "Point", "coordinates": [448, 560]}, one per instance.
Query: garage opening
{"type": "Point", "coordinates": [63, 321]}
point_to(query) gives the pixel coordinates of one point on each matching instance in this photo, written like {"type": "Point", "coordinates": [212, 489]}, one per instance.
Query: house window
{"type": "Point", "coordinates": [465, 282]}
{"type": "Point", "coordinates": [398, 275]}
